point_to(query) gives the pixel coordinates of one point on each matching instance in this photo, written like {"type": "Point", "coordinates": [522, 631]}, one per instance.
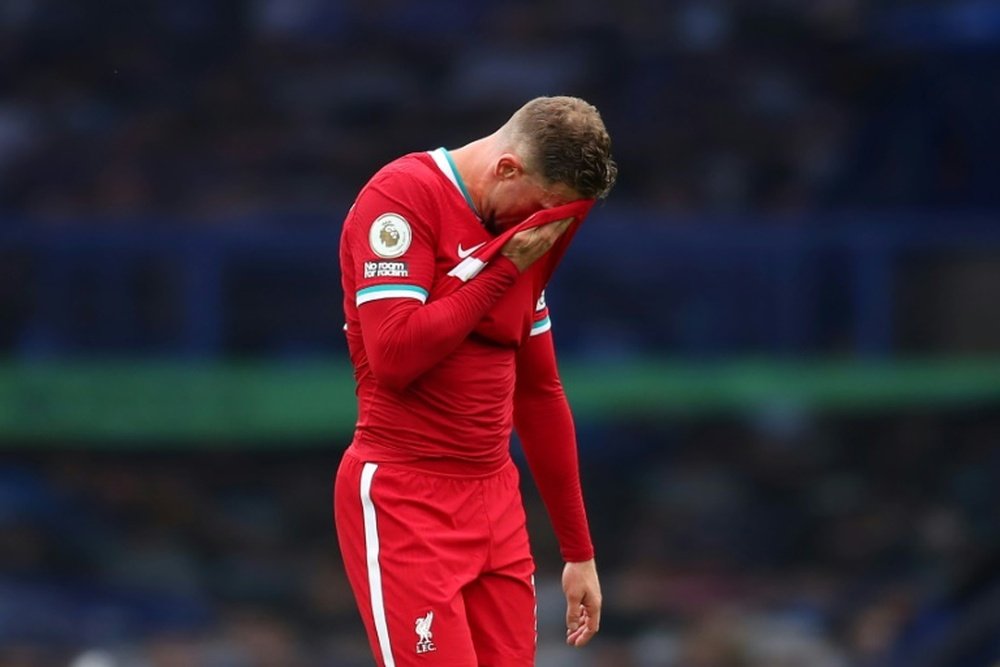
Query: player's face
{"type": "Point", "coordinates": [518, 194]}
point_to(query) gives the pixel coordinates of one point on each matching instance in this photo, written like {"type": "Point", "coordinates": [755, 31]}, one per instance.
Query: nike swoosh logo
{"type": "Point", "coordinates": [463, 253]}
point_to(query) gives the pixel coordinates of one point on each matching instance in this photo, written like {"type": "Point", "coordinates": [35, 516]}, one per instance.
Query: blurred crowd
{"type": "Point", "coordinates": [187, 109]}
{"type": "Point", "coordinates": [777, 541]}
{"type": "Point", "coordinates": [271, 114]}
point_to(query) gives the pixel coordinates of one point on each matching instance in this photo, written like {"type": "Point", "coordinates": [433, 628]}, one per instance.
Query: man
{"type": "Point", "coordinates": [444, 257]}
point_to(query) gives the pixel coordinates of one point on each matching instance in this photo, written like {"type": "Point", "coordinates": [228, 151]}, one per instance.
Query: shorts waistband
{"type": "Point", "coordinates": [440, 467]}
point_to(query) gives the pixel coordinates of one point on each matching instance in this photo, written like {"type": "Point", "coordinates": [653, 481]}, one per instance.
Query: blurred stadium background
{"type": "Point", "coordinates": [781, 334]}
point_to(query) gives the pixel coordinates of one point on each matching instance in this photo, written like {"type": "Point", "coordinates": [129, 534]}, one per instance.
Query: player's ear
{"type": "Point", "coordinates": [508, 166]}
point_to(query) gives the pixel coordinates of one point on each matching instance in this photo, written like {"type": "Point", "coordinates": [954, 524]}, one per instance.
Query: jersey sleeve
{"type": "Point", "coordinates": [391, 246]}
{"type": "Point", "coordinates": [545, 427]}
{"type": "Point", "coordinates": [541, 322]}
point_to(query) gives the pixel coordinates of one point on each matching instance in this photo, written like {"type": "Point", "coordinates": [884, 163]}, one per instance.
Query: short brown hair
{"type": "Point", "coordinates": [568, 144]}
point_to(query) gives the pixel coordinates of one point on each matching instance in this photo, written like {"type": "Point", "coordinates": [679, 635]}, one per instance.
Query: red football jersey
{"type": "Point", "coordinates": [409, 227]}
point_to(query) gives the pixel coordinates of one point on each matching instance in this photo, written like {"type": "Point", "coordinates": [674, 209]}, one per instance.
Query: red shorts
{"type": "Point", "coordinates": [440, 565]}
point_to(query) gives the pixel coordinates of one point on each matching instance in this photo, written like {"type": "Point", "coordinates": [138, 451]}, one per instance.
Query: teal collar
{"type": "Point", "coordinates": [458, 180]}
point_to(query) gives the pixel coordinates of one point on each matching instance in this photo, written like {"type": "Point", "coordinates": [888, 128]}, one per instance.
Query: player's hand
{"type": "Point", "coordinates": [530, 244]}
{"type": "Point", "coordinates": [583, 602]}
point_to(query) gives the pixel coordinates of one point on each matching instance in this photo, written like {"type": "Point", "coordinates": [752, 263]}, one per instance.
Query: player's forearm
{"type": "Point", "coordinates": [404, 338]}
{"type": "Point", "coordinates": [544, 423]}
{"type": "Point", "coordinates": [545, 427]}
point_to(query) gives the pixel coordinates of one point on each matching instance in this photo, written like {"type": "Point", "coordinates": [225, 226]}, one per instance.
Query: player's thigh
{"type": "Point", "coordinates": [501, 610]}
{"type": "Point", "coordinates": [500, 603]}
{"type": "Point", "coordinates": [407, 584]}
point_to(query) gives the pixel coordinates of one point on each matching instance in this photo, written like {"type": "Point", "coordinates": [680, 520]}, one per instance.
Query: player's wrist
{"type": "Point", "coordinates": [506, 266]}
{"type": "Point", "coordinates": [582, 556]}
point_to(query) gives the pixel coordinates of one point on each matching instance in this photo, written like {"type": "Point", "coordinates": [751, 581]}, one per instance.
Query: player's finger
{"type": "Point", "coordinates": [573, 611]}
{"type": "Point", "coordinates": [577, 625]}
{"type": "Point", "coordinates": [589, 623]}
{"type": "Point", "coordinates": [551, 232]}
{"type": "Point", "coordinates": [582, 635]}
{"type": "Point", "coordinates": [588, 629]}
{"type": "Point", "coordinates": [581, 638]}
{"type": "Point", "coordinates": [592, 608]}
{"type": "Point", "coordinates": [556, 227]}
{"type": "Point", "coordinates": [544, 236]}
{"type": "Point", "coordinates": [559, 226]}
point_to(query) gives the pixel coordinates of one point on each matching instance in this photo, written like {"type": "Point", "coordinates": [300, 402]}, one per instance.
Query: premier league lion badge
{"type": "Point", "coordinates": [390, 235]}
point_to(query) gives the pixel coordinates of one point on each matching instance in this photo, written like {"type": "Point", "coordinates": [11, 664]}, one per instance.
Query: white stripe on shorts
{"type": "Point", "coordinates": [374, 572]}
